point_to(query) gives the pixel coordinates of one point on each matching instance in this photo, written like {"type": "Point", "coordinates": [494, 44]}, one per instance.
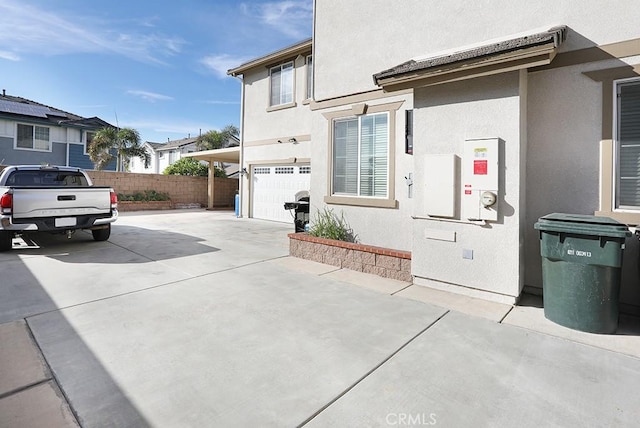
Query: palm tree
{"type": "Point", "coordinates": [125, 142]}
{"type": "Point", "coordinates": [216, 139]}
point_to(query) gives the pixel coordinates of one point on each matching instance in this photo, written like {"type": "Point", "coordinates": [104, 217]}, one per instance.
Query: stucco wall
{"type": "Point", "coordinates": [565, 129]}
{"type": "Point", "coordinates": [263, 128]}
{"type": "Point", "coordinates": [385, 227]}
{"type": "Point", "coordinates": [355, 39]}
{"type": "Point", "coordinates": [274, 124]}
{"type": "Point", "coordinates": [445, 116]}
{"type": "Point", "coordinates": [560, 137]}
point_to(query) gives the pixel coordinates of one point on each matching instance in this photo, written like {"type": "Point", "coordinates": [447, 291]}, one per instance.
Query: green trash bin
{"type": "Point", "coordinates": [581, 269]}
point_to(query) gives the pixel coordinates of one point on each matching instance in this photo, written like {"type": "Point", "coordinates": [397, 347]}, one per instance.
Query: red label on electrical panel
{"type": "Point", "coordinates": [467, 192]}
{"type": "Point", "coordinates": [480, 167]}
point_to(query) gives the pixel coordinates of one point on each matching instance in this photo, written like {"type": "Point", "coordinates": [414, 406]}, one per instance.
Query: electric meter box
{"type": "Point", "coordinates": [480, 171]}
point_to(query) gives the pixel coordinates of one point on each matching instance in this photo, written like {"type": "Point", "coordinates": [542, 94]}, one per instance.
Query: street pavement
{"type": "Point", "coordinates": [193, 318]}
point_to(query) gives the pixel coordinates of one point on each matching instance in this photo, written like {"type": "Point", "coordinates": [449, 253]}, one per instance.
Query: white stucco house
{"type": "Point", "coordinates": [275, 130]}
{"type": "Point", "coordinates": [448, 131]}
{"type": "Point", "coordinates": [164, 154]}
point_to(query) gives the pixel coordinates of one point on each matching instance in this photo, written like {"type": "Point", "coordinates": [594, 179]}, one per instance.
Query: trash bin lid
{"type": "Point", "coordinates": [583, 224]}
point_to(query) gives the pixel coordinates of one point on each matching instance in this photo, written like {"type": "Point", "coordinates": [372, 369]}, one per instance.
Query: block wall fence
{"type": "Point", "coordinates": [183, 190]}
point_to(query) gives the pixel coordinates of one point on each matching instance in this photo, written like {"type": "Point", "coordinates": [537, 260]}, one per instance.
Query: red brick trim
{"type": "Point", "coordinates": [351, 246]}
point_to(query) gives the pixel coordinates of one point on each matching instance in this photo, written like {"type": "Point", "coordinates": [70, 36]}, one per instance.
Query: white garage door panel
{"type": "Point", "coordinates": [275, 185]}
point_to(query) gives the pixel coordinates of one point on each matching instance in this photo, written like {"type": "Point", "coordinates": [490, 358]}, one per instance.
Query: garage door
{"type": "Point", "coordinates": [275, 185]}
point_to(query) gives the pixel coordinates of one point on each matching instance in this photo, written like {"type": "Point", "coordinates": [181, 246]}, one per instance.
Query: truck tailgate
{"type": "Point", "coordinates": [34, 202]}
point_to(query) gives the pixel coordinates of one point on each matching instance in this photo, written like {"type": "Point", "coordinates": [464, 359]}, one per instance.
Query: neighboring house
{"type": "Point", "coordinates": [164, 154]}
{"type": "Point", "coordinates": [276, 130]}
{"type": "Point", "coordinates": [136, 164]}
{"type": "Point", "coordinates": [417, 111]}
{"type": "Point", "coordinates": [33, 133]}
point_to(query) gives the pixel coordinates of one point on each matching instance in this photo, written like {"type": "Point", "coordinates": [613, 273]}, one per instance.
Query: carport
{"type": "Point", "coordinates": [228, 155]}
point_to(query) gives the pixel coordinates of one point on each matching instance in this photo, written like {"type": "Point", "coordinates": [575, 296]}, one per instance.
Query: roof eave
{"type": "Point", "coordinates": [293, 50]}
{"type": "Point", "coordinates": [229, 155]}
{"type": "Point", "coordinates": [482, 65]}
{"type": "Point", "coordinates": [468, 70]}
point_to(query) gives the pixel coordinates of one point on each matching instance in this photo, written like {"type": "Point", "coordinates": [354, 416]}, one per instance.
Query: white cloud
{"type": "Point", "coordinates": [149, 96]}
{"type": "Point", "coordinates": [26, 29]}
{"type": "Point", "coordinates": [10, 56]}
{"type": "Point", "coordinates": [219, 64]}
{"type": "Point", "coordinates": [292, 18]}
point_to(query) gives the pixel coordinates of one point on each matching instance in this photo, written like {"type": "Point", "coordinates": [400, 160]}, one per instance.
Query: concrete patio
{"type": "Point", "coordinates": [196, 318]}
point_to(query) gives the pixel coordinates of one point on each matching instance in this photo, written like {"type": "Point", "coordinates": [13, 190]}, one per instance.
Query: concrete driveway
{"type": "Point", "coordinates": [194, 318]}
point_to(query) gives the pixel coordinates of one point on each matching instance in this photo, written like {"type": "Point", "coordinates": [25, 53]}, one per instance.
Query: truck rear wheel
{"type": "Point", "coordinates": [101, 234]}
{"type": "Point", "coordinates": [6, 239]}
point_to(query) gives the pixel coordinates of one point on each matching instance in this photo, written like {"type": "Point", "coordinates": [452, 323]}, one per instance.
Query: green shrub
{"type": "Point", "coordinates": [192, 167]}
{"type": "Point", "coordinates": [145, 196]}
{"type": "Point", "coordinates": [328, 225]}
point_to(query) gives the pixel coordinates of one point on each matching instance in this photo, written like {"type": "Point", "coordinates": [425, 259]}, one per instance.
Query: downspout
{"type": "Point", "coordinates": [240, 168]}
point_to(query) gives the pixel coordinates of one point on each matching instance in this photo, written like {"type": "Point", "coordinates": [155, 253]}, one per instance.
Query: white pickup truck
{"type": "Point", "coordinates": [53, 199]}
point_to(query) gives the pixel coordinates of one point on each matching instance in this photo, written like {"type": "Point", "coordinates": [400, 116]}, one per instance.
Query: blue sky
{"type": "Point", "coordinates": [157, 66]}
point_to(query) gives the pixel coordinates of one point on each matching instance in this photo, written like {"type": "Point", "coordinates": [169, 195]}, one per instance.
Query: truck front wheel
{"type": "Point", "coordinates": [6, 239]}
{"type": "Point", "coordinates": [101, 234]}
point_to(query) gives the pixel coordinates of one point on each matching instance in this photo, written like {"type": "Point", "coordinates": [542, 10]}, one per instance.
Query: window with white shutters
{"type": "Point", "coordinates": [361, 156]}
{"type": "Point", "coordinates": [628, 145]}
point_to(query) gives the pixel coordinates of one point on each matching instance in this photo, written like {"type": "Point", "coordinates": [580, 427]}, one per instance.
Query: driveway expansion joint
{"type": "Point", "coordinates": [370, 372]}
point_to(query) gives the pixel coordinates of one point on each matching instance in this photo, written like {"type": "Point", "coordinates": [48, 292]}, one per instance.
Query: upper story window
{"type": "Point", "coordinates": [361, 156]}
{"type": "Point", "coordinates": [627, 145]}
{"type": "Point", "coordinates": [173, 156]}
{"type": "Point", "coordinates": [33, 137]}
{"type": "Point", "coordinates": [282, 84]}
{"type": "Point", "coordinates": [309, 77]}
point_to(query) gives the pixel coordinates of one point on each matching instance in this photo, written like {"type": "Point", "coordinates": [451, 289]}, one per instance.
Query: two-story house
{"type": "Point", "coordinates": [275, 130]}
{"type": "Point", "coordinates": [449, 131]}
{"type": "Point", "coordinates": [33, 133]}
{"type": "Point", "coordinates": [164, 154]}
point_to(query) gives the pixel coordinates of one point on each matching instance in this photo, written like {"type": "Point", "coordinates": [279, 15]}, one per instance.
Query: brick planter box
{"type": "Point", "coordinates": [143, 205]}
{"type": "Point", "coordinates": [362, 258]}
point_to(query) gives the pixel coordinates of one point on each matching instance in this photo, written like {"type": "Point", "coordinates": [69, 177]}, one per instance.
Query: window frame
{"type": "Point", "coordinates": [33, 138]}
{"type": "Point", "coordinates": [360, 175]}
{"type": "Point", "coordinates": [88, 140]}
{"type": "Point", "coordinates": [309, 65]}
{"type": "Point", "coordinates": [280, 67]}
{"type": "Point", "coordinates": [366, 201]}
{"type": "Point", "coordinates": [617, 84]}
{"type": "Point", "coordinates": [608, 78]}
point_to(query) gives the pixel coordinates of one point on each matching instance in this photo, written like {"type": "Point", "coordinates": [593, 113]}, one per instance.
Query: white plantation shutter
{"type": "Point", "coordinates": [345, 157]}
{"type": "Point", "coordinates": [380, 160]}
{"type": "Point", "coordinates": [360, 156]}
{"type": "Point", "coordinates": [628, 190]}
